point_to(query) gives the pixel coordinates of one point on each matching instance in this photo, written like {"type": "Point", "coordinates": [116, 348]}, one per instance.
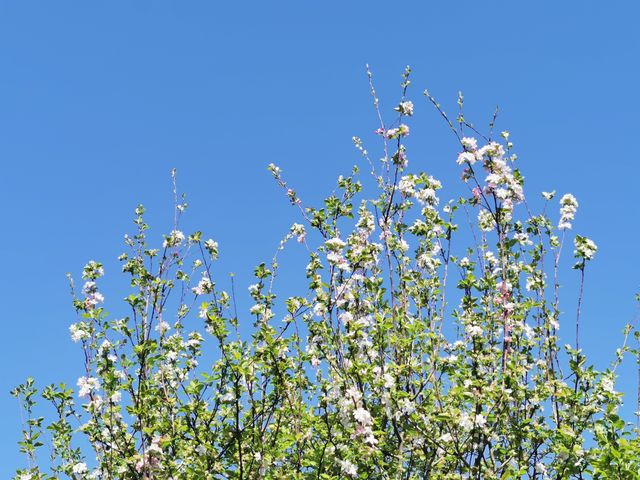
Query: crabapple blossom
{"type": "Point", "coordinates": [212, 247]}
{"type": "Point", "coordinates": [87, 385]}
{"type": "Point", "coordinates": [204, 286]}
{"type": "Point", "coordinates": [470, 144]}
{"type": "Point", "coordinates": [348, 468]}
{"type": "Point", "coordinates": [405, 108]}
{"type": "Point", "coordinates": [175, 239]}
{"type": "Point", "coordinates": [80, 468]}
{"type": "Point", "coordinates": [568, 208]}
{"type": "Point", "coordinates": [79, 331]}
{"type": "Point", "coordinates": [486, 221]}
{"type": "Point", "coordinates": [585, 248]}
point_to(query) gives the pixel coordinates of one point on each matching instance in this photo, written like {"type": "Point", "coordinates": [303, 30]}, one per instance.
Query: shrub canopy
{"type": "Point", "coordinates": [405, 357]}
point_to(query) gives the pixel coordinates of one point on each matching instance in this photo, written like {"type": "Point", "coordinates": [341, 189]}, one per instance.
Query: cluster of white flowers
{"type": "Point", "coordinates": [470, 154]}
{"type": "Point", "coordinates": [352, 412]}
{"type": "Point", "coordinates": [228, 397]}
{"type": "Point", "coordinates": [261, 309]}
{"type": "Point", "coordinates": [363, 427]}
{"type": "Point", "coordinates": [427, 259]}
{"type": "Point", "coordinates": [401, 131]}
{"type": "Point", "coordinates": [204, 286]}
{"type": "Point", "coordinates": [335, 244]}
{"type": "Point", "coordinates": [427, 196]}
{"type": "Point", "coordinates": [105, 349]}
{"type": "Point", "coordinates": [474, 331]}
{"type": "Point", "coordinates": [607, 384]}
{"type": "Point", "coordinates": [212, 247]}
{"type": "Point", "coordinates": [522, 238]}
{"type": "Point", "coordinates": [467, 157]}
{"type": "Point", "coordinates": [175, 239]}
{"type": "Point", "coordinates": [549, 195]}
{"type": "Point", "coordinates": [500, 174]}
{"type": "Point", "coordinates": [79, 331]}
{"type": "Point", "coordinates": [366, 223]}
{"type": "Point", "coordinates": [491, 259]}
{"type": "Point", "coordinates": [348, 468]}
{"type": "Point", "coordinates": [87, 385]}
{"type": "Point", "coordinates": [405, 108]}
{"type": "Point", "coordinates": [299, 231]}
{"type": "Point", "coordinates": [535, 281]}
{"type": "Point", "coordinates": [568, 208]}
{"type": "Point", "coordinates": [470, 144]}
{"type": "Point", "coordinates": [500, 181]}
{"type": "Point", "coordinates": [80, 468]}
{"type": "Point", "coordinates": [468, 422]}
{"type": "Point", "coordinates": [93, 296]}
{"type": "Point", "coordinates": [465, 422]}
{"type": "Point", "coordinates": [338, 260]}
{"type": "Point", "coordinates": [585, 248]}
{"type": "Point", "coordinates": [405, 407]}
{"type": "Point", "coordinates": [92, 270]}
{"type": "Point", "coordinates": [162, 327]}
{"type": "Point", "coordinates": [485, 220]}
{"type": "Point", "coordinates": [254, 289]}
{"type": "Point", "coordinates": [407, 185]}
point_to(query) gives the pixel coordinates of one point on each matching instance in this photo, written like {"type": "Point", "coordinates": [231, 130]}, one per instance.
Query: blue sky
{"type": "Point", "coordinates": [99, 100]}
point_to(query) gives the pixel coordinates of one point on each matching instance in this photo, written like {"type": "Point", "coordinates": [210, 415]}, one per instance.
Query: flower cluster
{"type": "Point", "coordinates": [568, 208]}
{"type": "Point", "coordinates": [501, 182]}
{"type": "Point", "coordinates": [405, 108]}
{"type": "Point", "coordinates": [174, 239]}
{"type": "Point", "coordinates": [401, 130]}
{"type": "Point", "coordinates": [205, 285]}
{"type": "Point", "coordinates": [585, 248]}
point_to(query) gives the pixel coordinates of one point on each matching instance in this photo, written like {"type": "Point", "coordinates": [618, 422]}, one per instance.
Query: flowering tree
{"type": "Point", "coordinates": [403, 359]}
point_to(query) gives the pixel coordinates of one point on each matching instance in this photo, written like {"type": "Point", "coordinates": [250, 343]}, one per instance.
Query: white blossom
{"type": "Point", "coordinates": [348, 468]}
{"type": "Point", "coordinates": [585, 248]}
{"type": "Point", "coordinates": [466, 157]}
{"type": "Point", "coordinates": [204, 286]}
{"type": "Point", "coordinates": [485, 221]}
{"type": "Point", "coordinates": [607, 384]}
{"type": "Point", "coordinates": [473, 331]}
{"type": "Point", "coordinates": [211, 247]}
{"type": "Point", "coordinates": [568, 208]}
{"type": "Point", "coordinates": [405, 108]}
{"type": "Point", "coordinates": [175, 238]}
{"type": "Point", "coordinates": [335, 244]}
{"type": "Point", "coordinates": [79, 331]}
{"type": "Point", "coordinates": [469, 143]}
{"type": "Point", "coordinates": [362, 416]}
{"type": "Point", "coordinates": [80, 468]}
{"type": "Point", "coordinates": [87, 385]}
{"type": "Point", "coordinates": [406, 185]}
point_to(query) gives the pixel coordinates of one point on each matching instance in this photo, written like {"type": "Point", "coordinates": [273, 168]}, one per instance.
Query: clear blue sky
{"type": "Point", "coordinates": [99, 100]}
